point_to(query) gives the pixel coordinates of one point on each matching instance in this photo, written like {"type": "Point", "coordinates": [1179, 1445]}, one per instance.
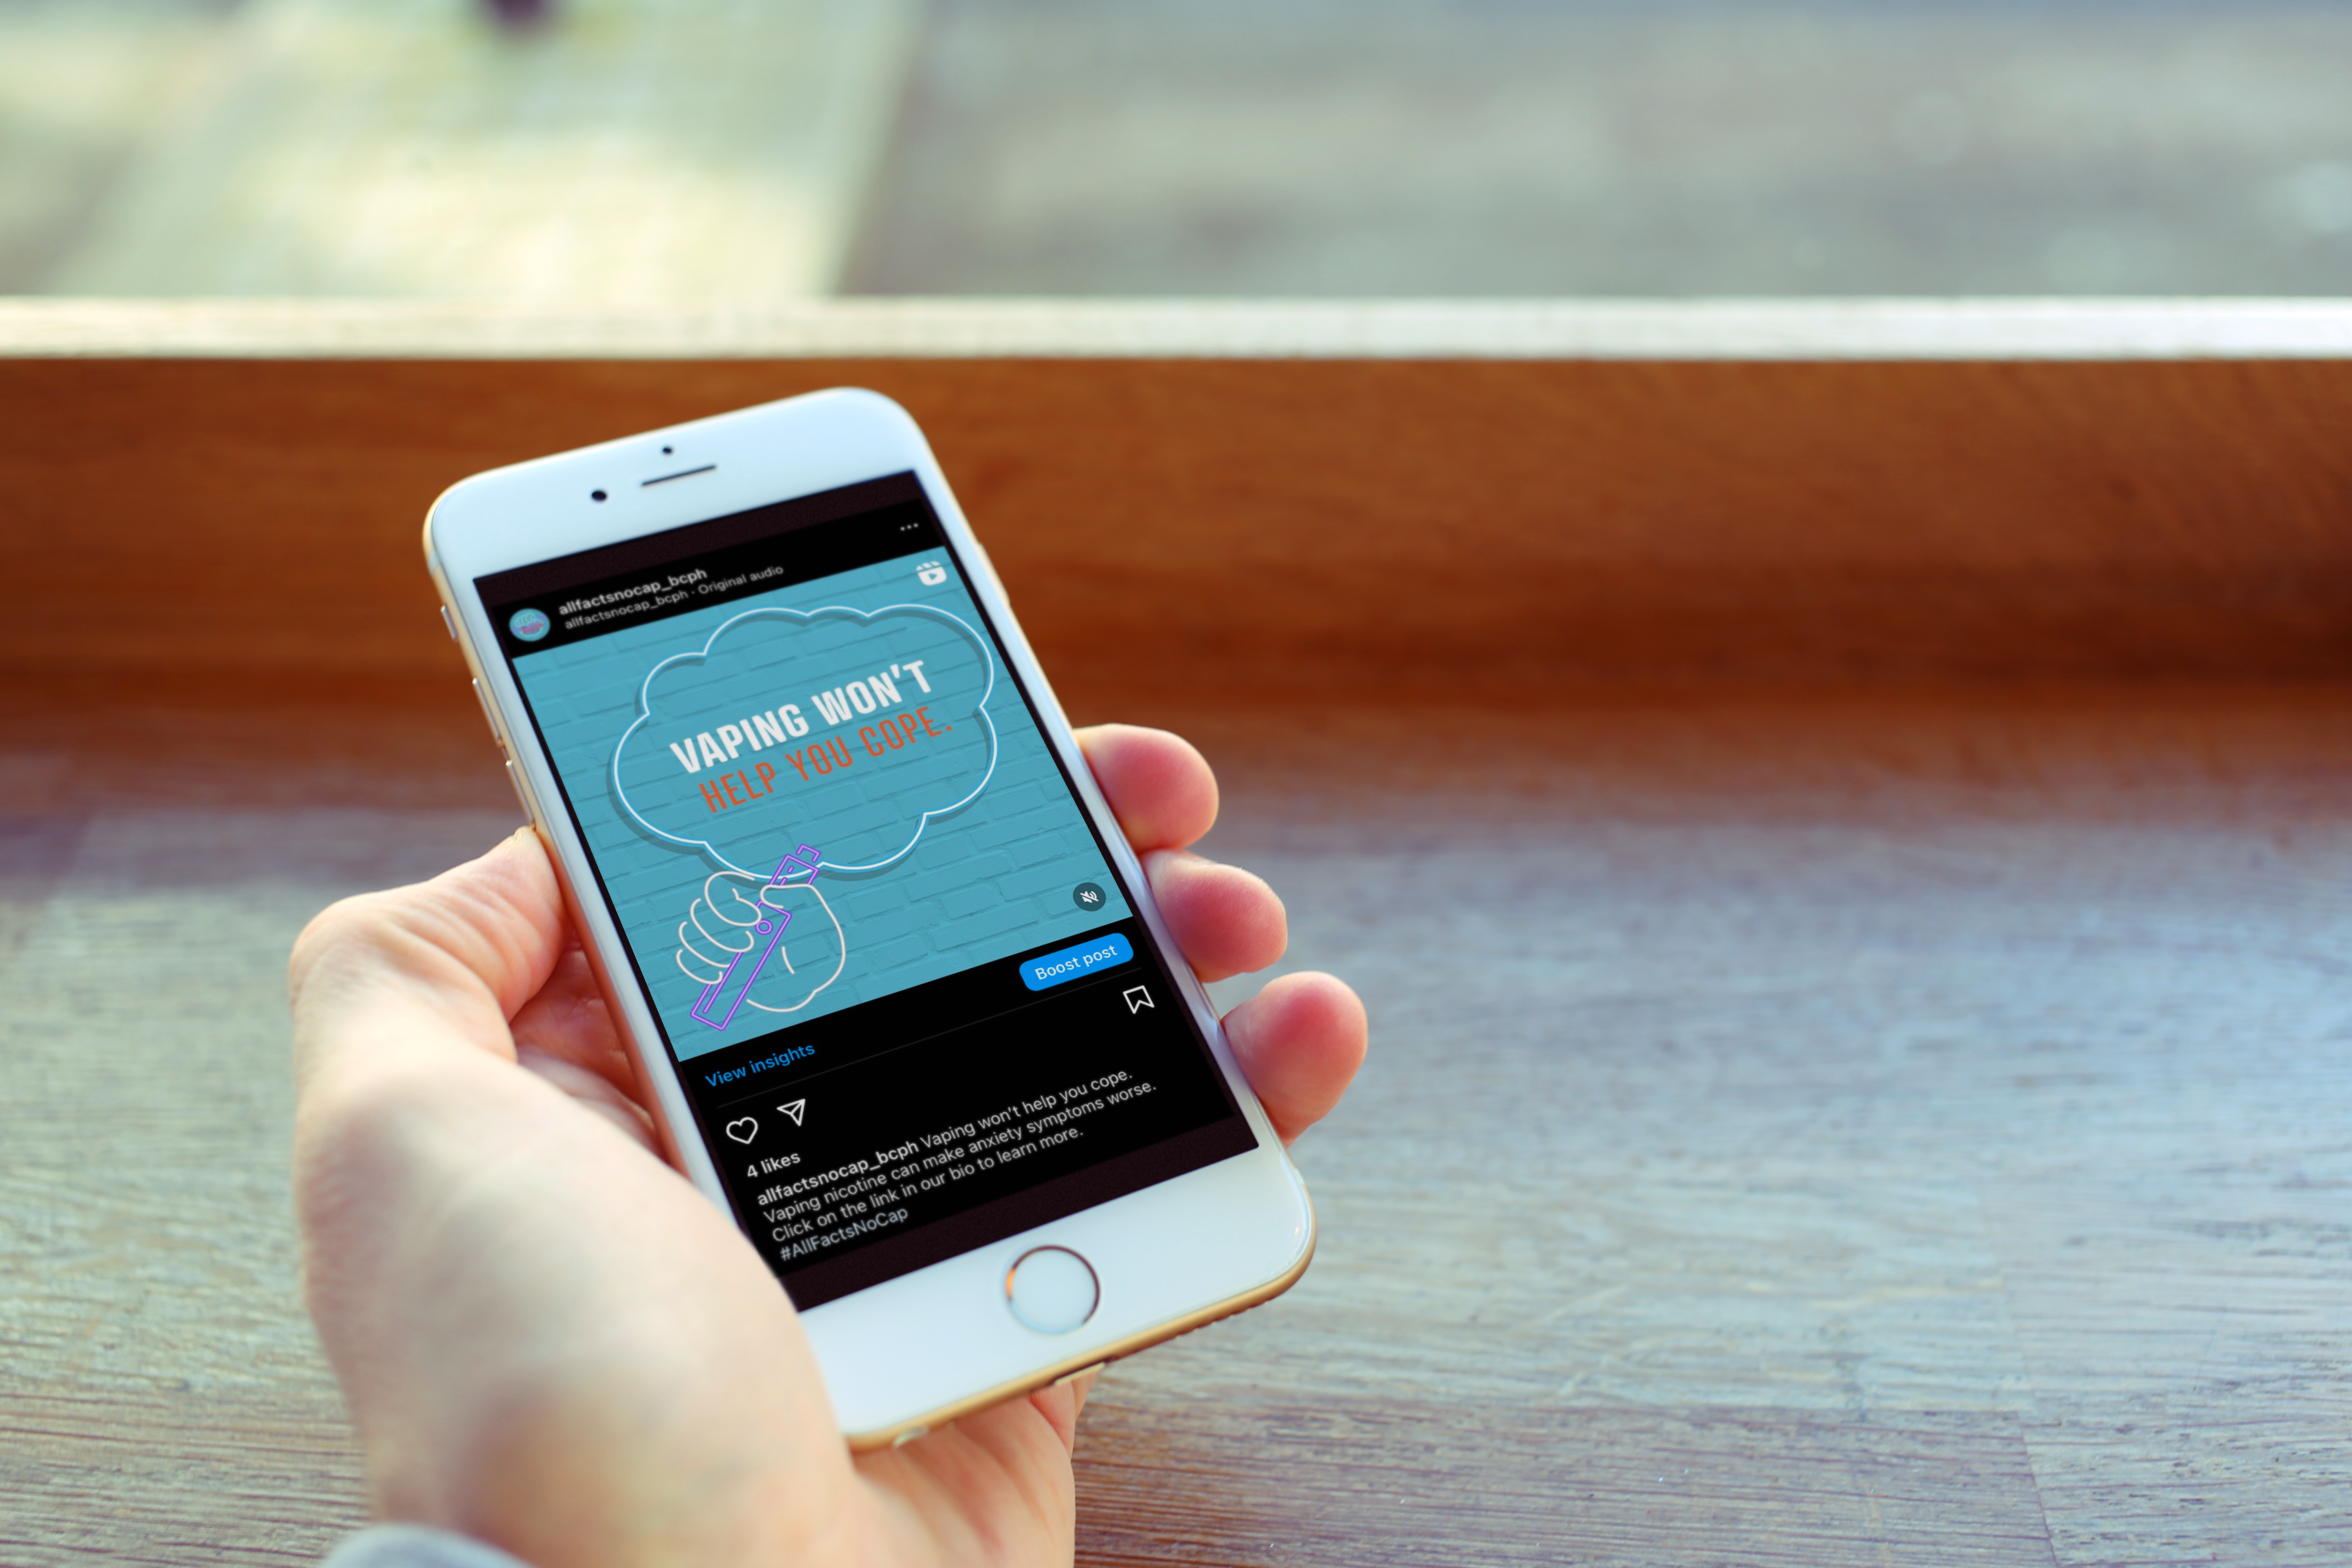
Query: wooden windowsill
{"type": "Point", "coordinates": [1840, 812]}
{"type": "Point", "coordinates": [2006, 329]}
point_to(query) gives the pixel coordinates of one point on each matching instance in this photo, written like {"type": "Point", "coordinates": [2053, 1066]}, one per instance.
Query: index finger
{"type": "Point", "coordinates": [1160, 787]}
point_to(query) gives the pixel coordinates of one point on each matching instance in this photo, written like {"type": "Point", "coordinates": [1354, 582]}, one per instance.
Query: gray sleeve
{"type": "Point", "coordinates": [414, 1546]}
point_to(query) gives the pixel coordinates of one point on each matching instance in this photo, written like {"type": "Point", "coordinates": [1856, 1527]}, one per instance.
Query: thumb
{"type": "Point", "coordinates": [438, 965]}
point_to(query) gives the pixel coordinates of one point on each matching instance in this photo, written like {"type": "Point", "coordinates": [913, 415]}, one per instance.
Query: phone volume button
{"type": "Point", "coordinates": [449, 622]}
{"type": "Point", "coordinates": [514, 777]}
{"type": "Point", "coordinates": [490, 718]}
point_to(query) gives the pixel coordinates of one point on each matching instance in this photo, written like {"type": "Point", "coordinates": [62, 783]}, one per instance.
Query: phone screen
{"type": "Point", "coordinates": [905, 987]}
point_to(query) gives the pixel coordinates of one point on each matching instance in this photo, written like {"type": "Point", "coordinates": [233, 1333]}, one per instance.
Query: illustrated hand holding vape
{"type": "Point", "coordinates": [765, 935]}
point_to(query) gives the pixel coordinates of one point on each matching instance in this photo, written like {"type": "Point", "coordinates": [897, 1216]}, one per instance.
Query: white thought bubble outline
{"type": "Point", "coordinates": [645, 712]}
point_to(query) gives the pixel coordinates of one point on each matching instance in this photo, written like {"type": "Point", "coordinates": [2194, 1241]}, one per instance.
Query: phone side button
{"type": "Point", "coordinates": [449, 623]}
{"type": "Point", "coordinates": [1052, 1290]}
{"type": "Point", "coordinates": [523, 795]}
{"type": "Point", "coordinates": [488, 718]}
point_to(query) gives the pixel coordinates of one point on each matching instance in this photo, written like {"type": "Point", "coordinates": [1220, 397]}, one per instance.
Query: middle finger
{"type": "Point", "coordinates": [1225, 920]}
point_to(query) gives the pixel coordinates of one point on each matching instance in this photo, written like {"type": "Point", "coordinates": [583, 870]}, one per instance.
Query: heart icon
{"type": "Point", "coordinates": [743, 1130]}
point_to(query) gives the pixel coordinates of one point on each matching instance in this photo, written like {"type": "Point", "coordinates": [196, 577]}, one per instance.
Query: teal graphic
{"type": "Point", "coordinates": [529, 624]}
{"type": "Point", "coordinates": [810, 798]}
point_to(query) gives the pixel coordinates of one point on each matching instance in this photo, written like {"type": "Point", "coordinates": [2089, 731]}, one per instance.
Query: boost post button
{"type": "Point", "coordinates": [1052, 1290]}
{"type": "Point", "coordinates": [1108, 952]}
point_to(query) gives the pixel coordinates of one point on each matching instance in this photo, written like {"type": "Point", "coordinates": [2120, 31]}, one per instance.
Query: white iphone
{"type": "Point", "coordinates": [896, 992]}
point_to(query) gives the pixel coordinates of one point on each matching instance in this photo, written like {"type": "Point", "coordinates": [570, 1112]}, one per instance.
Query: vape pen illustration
{"type": "Point", "coordinates": [766, 934]}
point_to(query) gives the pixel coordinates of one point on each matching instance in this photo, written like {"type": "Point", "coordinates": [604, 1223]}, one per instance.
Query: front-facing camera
{"type": "Point", "coordinates": [595, 495]}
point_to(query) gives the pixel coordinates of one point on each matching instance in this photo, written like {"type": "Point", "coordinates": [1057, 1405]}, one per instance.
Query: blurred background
{"type": "Point", "coordinates": [724, 153]}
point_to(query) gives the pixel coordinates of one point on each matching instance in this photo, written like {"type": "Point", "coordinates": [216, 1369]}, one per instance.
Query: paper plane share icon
{"type": "Point", "coordinates": [795, 1108]}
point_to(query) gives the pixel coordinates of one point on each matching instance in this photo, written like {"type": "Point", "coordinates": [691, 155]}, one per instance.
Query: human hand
{"type": "Point", "coordinates": [550, 1341]}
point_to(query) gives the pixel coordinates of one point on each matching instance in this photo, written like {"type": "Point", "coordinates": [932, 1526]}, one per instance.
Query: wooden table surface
{"type": "Point", "coordinates": [1802, 1128]}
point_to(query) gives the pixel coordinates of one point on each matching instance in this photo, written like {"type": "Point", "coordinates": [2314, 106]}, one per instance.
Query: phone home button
{"type": "Point", "coordinates": [1052, 1290]}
